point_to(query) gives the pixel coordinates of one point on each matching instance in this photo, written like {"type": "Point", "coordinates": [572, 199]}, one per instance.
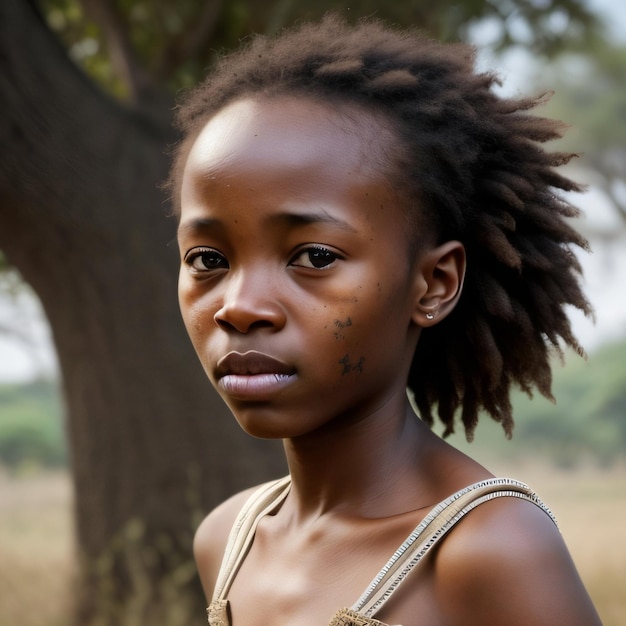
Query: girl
{"type": "Point", "coordinates": [359, 214]}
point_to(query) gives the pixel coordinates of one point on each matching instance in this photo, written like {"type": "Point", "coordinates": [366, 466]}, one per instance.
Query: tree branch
{"type": "Point", "coordinates": [119, 46]}
{"type": "Point", "coordinates": [193, 38]}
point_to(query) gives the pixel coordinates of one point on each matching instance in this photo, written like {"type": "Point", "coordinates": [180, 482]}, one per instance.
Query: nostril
{"type": "Point", "coordinates": [261, 324]}
{"type": "Point", "coordinates": [242, 328]}
{"type": "Point", "coordinates": [223, 324]}
{"type": "Point", "coordinates": [242, 320]}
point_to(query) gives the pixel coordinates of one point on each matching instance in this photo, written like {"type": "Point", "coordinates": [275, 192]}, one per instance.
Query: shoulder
{"type": "Point", "coordinates": [506, 563]}
{"type": "Point", "coordinates": [212, 535]}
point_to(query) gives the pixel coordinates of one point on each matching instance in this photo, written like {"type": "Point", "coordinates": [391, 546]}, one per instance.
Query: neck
{"type": "Point", "coordinates": [366, 468]}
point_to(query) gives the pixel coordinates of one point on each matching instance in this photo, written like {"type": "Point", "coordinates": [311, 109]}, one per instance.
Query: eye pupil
{"type": "Point", "coordinates": [210, 259]}
{"type": "Point", "coordinates": [320, 258]}
{"type": "Point", "coordinates": [315, 257]}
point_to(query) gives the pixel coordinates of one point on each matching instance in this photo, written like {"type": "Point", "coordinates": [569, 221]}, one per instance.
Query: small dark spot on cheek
{"type": "Point", "coordinates": [348, 365]}
{"type": "Point", "coordinates": [340, 326]}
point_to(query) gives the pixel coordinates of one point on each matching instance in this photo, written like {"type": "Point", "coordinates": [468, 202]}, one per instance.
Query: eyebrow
{"type": "Point", "coordinates": [304, 219]}
{"type": "Point", "coordinates": [197, 224]}
{"type": "Point", "coordinates": [292, 220]}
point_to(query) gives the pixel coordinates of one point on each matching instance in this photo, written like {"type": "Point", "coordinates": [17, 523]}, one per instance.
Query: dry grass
{"type": "Point", "coordinates": [590, 507]}
{"type": "Point", "coordinates": [36, 550]}
{"type": "Point", "coordinates": [37, 558]}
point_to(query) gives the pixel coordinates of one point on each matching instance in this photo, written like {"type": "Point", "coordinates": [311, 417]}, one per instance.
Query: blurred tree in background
{"type": "Point", "coordinates": [31, 434]}
{"type": "Point", "coordinates": [590, 413]}
{"type": "Point", "coordinates": [86, 92]}
{"type": "Point", "coordinates": [591, 87]}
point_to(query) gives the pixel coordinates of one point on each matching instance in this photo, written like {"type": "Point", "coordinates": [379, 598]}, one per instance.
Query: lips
{"type": "Point", "coordinates": [253, 376]}
{"type": "Point", "coordinates": [250, 364]}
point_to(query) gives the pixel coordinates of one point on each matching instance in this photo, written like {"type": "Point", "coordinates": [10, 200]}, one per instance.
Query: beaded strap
{"type": "Point", "coordinates": [217, 613]}
{"type": "Point", "coordinates": [348, 617]}
{"type": "Point", "coordinates": [423, 538]}
{"type": "Point", "coordinates": [431, 530]}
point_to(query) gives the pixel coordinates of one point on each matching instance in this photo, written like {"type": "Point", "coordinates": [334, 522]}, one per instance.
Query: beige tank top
{"type": "Point", "coordinates": [426, 535]}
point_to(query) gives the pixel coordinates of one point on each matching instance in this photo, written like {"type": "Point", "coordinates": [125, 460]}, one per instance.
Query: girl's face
{"type": "Point", "coordinates": [296, 284]}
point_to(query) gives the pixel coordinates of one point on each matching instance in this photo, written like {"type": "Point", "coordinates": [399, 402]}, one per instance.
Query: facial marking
{"type": "Point", "coordinates": [340, 326]}
{"type": "Point", "coordinates": [349, 366]}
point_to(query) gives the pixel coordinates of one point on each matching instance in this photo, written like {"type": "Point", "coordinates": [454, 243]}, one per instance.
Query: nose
{"type": "Point", "coordinates": [249, 303]}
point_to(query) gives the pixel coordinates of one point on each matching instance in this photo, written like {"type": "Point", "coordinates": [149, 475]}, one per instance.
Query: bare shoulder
{"type": "Point", "coordinates": [506, 563]}
{"type": "Point", "coordinates": [211, 537]}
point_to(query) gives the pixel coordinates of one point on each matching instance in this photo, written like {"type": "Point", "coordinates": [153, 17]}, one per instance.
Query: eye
{"type": "Point", "coordinates": [205, 259]}
{"type": "Point", "coordinates": [315, 257]}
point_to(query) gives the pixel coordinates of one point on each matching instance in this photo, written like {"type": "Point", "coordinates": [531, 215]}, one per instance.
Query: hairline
{"type": "Point", "coordinates": [392, 149]}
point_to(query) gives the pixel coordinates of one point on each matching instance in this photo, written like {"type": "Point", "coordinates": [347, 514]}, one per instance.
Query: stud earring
{"type": "Point", "coordinates": [430, 316]}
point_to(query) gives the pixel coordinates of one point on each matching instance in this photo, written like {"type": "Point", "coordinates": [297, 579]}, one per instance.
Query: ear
{"type": "Point", "coordinates": [439, 281]}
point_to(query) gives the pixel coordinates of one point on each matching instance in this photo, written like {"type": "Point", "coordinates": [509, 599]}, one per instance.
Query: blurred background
{"type": "Point", "coordinates": [111, 446]}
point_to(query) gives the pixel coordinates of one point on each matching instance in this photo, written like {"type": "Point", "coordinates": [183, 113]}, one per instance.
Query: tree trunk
{"type": "Point", "coordinates": [81, 217]}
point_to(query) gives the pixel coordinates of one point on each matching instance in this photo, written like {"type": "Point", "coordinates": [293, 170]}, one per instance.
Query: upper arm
{"type": "Point", "coordinates": [506, 563]}
{"type": "Point", "coordinates": [211, 537]}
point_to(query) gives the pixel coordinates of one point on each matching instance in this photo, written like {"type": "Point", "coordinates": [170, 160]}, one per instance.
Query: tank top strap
{"type": "Point", "coordinates": [263, 501]}
{"type": "Point", "coordinates": [431, 530]}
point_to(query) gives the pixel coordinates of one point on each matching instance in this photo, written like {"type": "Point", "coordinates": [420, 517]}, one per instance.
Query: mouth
{"type": "Point", "coordinates": [251, 363]}
{"type": "Point", "coordinates": [253, 375]}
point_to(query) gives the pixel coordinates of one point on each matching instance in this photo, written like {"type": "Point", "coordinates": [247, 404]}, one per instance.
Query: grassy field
{"type": "Point", "coordinates": [590, 507]}
{"type": "Point", "coordinates": [37, 559]}
{"type": "Point", "coordinates": [36, 550]}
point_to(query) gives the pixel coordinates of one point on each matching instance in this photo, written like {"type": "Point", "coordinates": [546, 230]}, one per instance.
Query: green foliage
{"type": "Point", "coordinates": [124, 44]}
{"type": "Point", "coordinates": [84, 40]}
{"type": "Point", "coordinates": [586, 423]}
{"type": "Point", "coordinates": [31, 426]}
{"type": "Point", "coordinates": [589, 417]}
{"type": "Point", "coordinates": [590, 89]}
{"type": "Point", "coordinates": [590, 94]}
{"type": "Point", "coordinates": [12, 286]}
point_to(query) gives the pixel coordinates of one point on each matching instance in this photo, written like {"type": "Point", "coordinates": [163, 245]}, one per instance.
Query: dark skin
{"type": "Point", "coordinates": [305, 299]}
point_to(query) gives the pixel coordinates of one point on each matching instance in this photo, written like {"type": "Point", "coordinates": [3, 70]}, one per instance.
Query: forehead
{"type": "Point", "coordinates": [290, 132]}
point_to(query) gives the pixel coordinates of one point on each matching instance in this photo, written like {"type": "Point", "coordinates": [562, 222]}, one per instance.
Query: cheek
{"type": "Point", "coordinates": [186, 308]}
{"type": "Point", "coordinates": [374, 328]}
{"type": "Point", "coordinates": [346, 342]}
{"type": "Point", "coordinates": [183, 292]}
{"type": "Point", "coordinates": [195, 315]}
{"type": "Point", "coordinates": [193, 325]}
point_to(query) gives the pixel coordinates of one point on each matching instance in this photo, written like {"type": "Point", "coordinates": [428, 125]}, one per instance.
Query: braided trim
{"type": "Point", "coordinates": [408, 555]}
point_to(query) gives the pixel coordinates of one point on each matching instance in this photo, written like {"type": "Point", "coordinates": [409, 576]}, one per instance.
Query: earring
{"type": "Point", "coordinates": [430, 316]}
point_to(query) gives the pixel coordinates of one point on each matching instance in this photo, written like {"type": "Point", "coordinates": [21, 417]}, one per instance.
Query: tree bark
{"type": "Point", "coordinates": [82, 219]}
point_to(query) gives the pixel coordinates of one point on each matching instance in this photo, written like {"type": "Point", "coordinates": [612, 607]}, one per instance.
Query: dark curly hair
{"type": "Point", "coordinates": [474, 167]}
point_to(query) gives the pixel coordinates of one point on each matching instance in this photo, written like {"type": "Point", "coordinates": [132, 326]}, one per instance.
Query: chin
{"type": "Point", "coordinates": [263, 422]}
